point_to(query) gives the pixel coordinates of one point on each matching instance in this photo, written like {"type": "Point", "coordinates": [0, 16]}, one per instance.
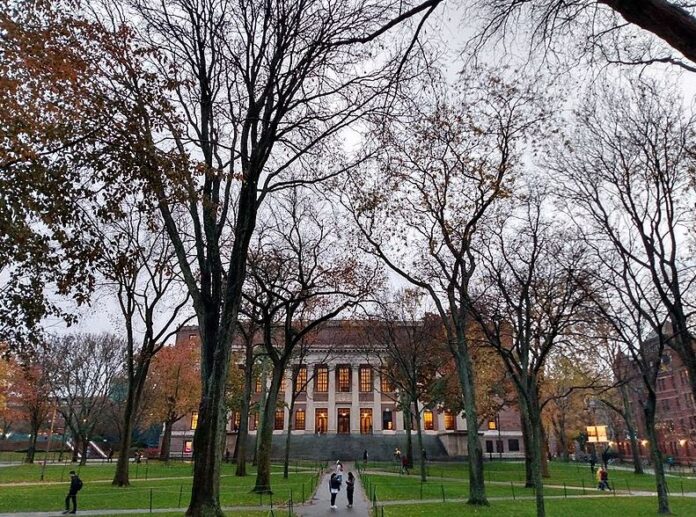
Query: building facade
{"type": "Point", "coordinates": [342, 392]}
{"type": "Point", "coordinates": [676, 412]}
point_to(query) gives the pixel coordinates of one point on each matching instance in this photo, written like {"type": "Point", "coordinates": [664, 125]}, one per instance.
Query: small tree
{"type": "Point", "coordinates": [536, 288]}
{"type": "Point", "coordinates": [304, 279]}
{"type": "Point", "coordinates": [438, 172]}
{"type": "Point", "coordinates": [81, 370]}
{"type": "Point", "coordinates": [410, 347]}
{"type": "Point", "coordinates": [175, 388]}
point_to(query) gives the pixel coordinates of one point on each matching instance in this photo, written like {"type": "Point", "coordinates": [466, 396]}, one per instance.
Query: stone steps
{"type": "Point", "coordinates": [350, 447]}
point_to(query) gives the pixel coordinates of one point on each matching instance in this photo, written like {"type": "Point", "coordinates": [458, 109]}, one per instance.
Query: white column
{"type": "Point", "coordinates": [399, 423]}
{"type": "Point", "coordinates": [288, 398]}
{"type": "Point", "coordinates": [440, 420]}
{"type": "Point", "coordinates": [310, 424]}
{"type": "Point", "coordinates": [376, 404]}
{"type": "Point", "coordinates": [332, 399]}
{"type": "Point", "coordinates": [355, 399]}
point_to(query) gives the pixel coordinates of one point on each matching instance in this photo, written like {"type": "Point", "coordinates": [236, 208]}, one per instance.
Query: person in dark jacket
{"type": "Point", "coordinates": [350, 488]}
{"type": "Point", "coordinates": [75, 486]}
{"type": "Point", "coordinates": [334, 487]}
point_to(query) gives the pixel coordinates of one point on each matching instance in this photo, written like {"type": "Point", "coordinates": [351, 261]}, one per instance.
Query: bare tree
{"type": "Point", "coordinates": [629, 168]}
{"type": "Point", "coordinates": [611, 28]}
{"type": "Point", "coordinates": [82, 368]}
{"type": "Point", "coordinates": [248, 330]}
{"type": "Point", "coordinates": [302, 278]}
{"type": "Point", "coordinates": [410, 347]}
{"type": "Point", "coordinates": [419, 209]}
{"type": "Point", "coordinates": [260, 89]}
{"type": "Point", "coordinates": [138, 265]}
{"type": "Point", "coordinates": [532, 299]}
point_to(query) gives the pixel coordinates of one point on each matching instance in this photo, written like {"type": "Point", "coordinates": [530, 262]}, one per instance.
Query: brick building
{"type": "Point", "coordinates": [347, 397]}
{"type": "Point", "coordinates": [676, 412]}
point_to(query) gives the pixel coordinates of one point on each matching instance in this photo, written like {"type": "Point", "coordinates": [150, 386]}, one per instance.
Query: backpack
{"type": "Point", "coordinates": [79, 484]}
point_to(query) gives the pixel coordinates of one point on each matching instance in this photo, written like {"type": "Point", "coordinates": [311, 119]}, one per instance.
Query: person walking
{"type": "Point", "coordinates": [339, 471]}
{"type": "Point", "coordinates": [404, 464]}
{"type": "Point", "coordinates": [75, 487]}
{"type": "Point", "coordinates": [334, 487]}
{"type": "Point", "coordinates": [365, 457]}
{"type": "Point", "coordinates": [593, 462]}
{"type": "Point", "coordinates": [350, 488]}
{"type": "Point", "coordinates": [110, 458]}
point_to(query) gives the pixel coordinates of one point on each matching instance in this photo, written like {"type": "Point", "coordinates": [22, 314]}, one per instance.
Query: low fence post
{"type": "Point", "coordinates": [151, 500]}
{"type": "Point", "coordinates": [181, 492]}
{"type": "Point", "coordinates": [442, 488]}
{"type": "Point", "coordinates": [512, 487]}
{"type": "Point", "coordinates": [583, 487]}
{"type": "Point", "coordinates": [565, 490]}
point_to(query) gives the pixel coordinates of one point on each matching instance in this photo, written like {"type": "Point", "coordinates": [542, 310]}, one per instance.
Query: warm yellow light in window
{"type": "Point", "coordinates": [194, 420]}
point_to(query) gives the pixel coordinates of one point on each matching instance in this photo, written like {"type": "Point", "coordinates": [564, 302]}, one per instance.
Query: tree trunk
{"type": "Point", "coordinates": [243, 432]}
{"type": "Point", "coordinates": [667, 20]}
{"type": "Point", "coordinates": [419, 434]}
{"type": "Point", "coordinates": [661, 484]}
{"type": "Point", "coordinates": [408, 427]}
{"type": "Point", "coordinates": [263, 471]}
{"type": "Point", "coordinates": [286, 461]}
{"type": "Point", "coordinates": [135, 390]}
{"type": "Point", "coordinates": [526, 439]}
{"type": "Point", "coordinates": [165, 451]}
{"type": "Point", "coordinates": [31, 450]}
{"type": "Point", "coordinates": [537, 452]}
{"type": "Point", "coordinates": [477, 489]}
{"type": "Point", "coordinates": [544, 451]}
{"type": "Point", "coordinates": [209, 437]}
{"type": "Point", "coordinates": [630, 427]}
{"type": "Point", "coordinates": [84, 442]}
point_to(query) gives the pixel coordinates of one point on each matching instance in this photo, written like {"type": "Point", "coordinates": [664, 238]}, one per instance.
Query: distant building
{"type": "Point", "coordinates": [347, 396]}
{"type": "Point", "coordinates": [676, 412]}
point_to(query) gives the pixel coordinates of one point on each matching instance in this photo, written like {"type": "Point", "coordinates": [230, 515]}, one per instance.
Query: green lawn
{"type": "Point", "coordinates": [391, 488]}
{"type": "Point", "coordinates": [172, 492]}
{"type": "Point", "coordinates": [59, 472]}
{"type": "Point", "coordinates": [572, 474]}
{"type": "Point", "coordinates": [588, 507]}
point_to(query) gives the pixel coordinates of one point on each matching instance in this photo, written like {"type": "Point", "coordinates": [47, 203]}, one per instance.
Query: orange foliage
{"type": "Point", "coordinates": [174, 382]}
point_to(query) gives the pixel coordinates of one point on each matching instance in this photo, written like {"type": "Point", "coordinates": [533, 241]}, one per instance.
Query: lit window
{"type": "Point", "coordinates": [301, 380]}
{"type": "Point", "coordinates": [385, 383]}
{"type": "Point", "coordinates": [365, 374]}
{"type": "Point", "coordinates": [253, 421]}
{"type": "Point", "coordinates": [188, 446]}
{"type": "Point", "coordinates": [257, 385]}
{"type": "Point", "coordinates": [300, 419]}
{"type": "Point", "coordinates": [194, 420]}
{"type": "Point", "coordinates": [279, 419]}
{"type": "Point", "coordinates": [428, 420]}
{"type": "Point", "coordinates": [192, 337]}
{"type": "Point", "coordinates": [321, 379]}
{"type": "Point", "coordinates": [365, 421]}
{"type": "Point", "coordinates": [387, 420]}
{"type": "Point", "coordinates": [321, 420]}
{"type": "Point", "coordinates": [492, 426]}
{"type": "Point", "coordinates": [343, 374]}
{"type": "Point", "coordinates": [449, 421]}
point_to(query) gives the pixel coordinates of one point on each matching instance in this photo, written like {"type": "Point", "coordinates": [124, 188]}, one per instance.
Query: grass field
{"type": "Point", "coordinates": [588, 507]}
{"type": "Point", "coordinates": [166, 487]}
{"type": "Point", "coordinates": [572, 474]}
{"type": "Point", "coordinates": [390, 488]}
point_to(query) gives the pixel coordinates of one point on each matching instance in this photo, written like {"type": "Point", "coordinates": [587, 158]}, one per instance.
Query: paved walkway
{"type": "Point", "coordinates": [321, 501]}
